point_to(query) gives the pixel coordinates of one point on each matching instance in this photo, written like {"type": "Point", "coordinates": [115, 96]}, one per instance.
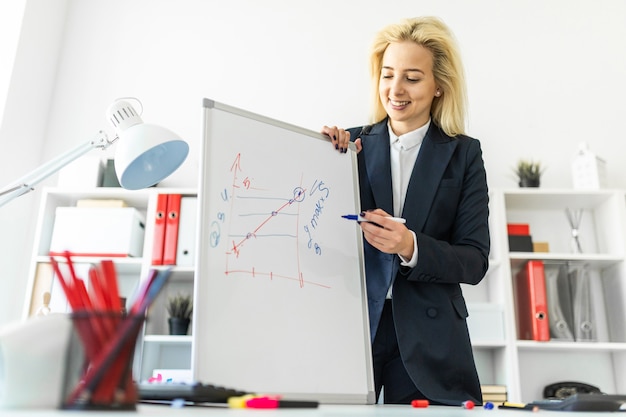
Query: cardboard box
{"type": "Point", "coordinates": [96, 231]}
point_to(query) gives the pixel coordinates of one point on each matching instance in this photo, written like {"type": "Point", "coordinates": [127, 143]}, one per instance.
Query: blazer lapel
{"type": "Point", "coordinates": [434, 155]}
{"type": "Point", "coordinates": [378, 165]}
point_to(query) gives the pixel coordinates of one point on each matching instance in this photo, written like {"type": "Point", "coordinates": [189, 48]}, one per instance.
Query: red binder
{"type": "Point", "coordinates": [159, 230]}
{"type": "Point", "coordinates": [532, 305]}
{"type": "Point", "coordinates": [171, 229]}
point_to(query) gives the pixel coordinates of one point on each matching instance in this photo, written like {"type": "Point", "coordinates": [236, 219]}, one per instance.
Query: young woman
{"type": "Point", "coordinates": [416, 162]}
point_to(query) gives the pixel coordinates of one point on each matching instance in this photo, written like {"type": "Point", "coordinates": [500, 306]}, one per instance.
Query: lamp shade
{"type": "Point", "coordinates": [146, 153]}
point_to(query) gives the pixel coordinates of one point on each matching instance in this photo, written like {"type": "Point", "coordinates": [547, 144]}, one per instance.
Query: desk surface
{"type": "Point", "coordinates": [322, 411]}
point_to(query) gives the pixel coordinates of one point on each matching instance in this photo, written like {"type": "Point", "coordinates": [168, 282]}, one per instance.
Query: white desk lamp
{"type": "Point", "coordinates": [145, 154]}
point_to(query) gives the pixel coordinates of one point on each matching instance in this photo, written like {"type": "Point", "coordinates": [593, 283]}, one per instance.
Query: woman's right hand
{"type": "Point", "coordinates": [340, 138]}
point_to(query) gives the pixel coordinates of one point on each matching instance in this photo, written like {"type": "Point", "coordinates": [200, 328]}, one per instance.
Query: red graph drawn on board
{"type": "Point", "coordinates": [256, 218]}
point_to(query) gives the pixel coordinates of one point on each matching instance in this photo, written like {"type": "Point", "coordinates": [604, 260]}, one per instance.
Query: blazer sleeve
{"type": "Point", "coordinates": [453, 246]}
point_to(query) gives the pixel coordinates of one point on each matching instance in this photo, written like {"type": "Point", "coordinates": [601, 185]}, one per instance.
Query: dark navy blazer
{"type": "Point", "coordinates": [446, 206]}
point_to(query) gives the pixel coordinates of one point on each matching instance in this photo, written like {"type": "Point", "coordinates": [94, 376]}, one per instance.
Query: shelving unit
{"type": "Point", "coordinates": [491, 319]}
{"type": "Point", "coordinates": [602, 234]}
{"type": "Point", "coordinates": [525, 367]}
{"type": "Point", "coordinates": [156, 349]}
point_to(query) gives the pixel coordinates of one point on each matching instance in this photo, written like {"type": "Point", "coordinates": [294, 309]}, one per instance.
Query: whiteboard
{"type": "Point", "coordinates": [280, 300]}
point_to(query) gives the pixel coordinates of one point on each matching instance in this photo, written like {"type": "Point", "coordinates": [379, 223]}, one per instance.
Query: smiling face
{"type": "Point", "coordinates": [407, 85]}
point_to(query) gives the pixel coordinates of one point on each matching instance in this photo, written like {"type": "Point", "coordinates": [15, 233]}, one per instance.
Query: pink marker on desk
{"type": "Point", "coordinates": [270, 402]}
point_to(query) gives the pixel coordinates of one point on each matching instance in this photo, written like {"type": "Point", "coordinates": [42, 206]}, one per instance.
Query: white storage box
{"type": "Point", "coordinates": [486, 322]}
{"type": "Point", "coordinates": [98, 231]}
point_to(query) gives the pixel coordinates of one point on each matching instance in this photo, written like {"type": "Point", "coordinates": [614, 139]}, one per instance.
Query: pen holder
{"type": "Point", "coordinates": [99, 361]}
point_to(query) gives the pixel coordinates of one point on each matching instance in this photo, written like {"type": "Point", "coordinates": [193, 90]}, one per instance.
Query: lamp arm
{"type": "Point", "coordinates": [28, 181]}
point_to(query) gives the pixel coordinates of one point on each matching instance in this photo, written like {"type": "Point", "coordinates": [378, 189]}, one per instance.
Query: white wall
{"type": "Point", "coordinates": [11, 17]}
{"type": "Point", "coordinates": [11, 14]}
{"type": "Point", "coordinates": [543, 75]}
{"type": "Point", "coordinates": [32, 41]}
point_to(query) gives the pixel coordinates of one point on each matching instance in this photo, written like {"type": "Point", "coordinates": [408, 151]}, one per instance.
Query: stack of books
{"type": "Point", "coordinates": [495, 394]}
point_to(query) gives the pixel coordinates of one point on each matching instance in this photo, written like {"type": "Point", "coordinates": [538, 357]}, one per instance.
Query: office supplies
{"type": "Point", "coordinates": [468, 405]}
{"type": "Point", "coordinates": [577, 402]}
{"type": "Point", "coordinates": [239, 402]}
{"type": "Point", "coordinates": [494, 393]}
{"type": "Point", "coordinates": [145, 155]}
{"type": "Point", "coordinates": [532, 309]}
{"type": "Point", "coordinates": [583, 324]}
{"type": "Point", "coordinates": [513, 406]}
{"type": "Point", "coordinates": [106, 334]}
{"type": "Point", "coordinates": [274, 250]}
{"type": "Point", "coordinates": [270, 402]}
{"type": "Point", "coordinates": [559, 299]}
{"type": "Point", "coordinates": [420, 403]}
{"type": "Point", "coordinates": [362, 219]}
{"type": "Point", "coordinates": [196, 392]}
{"type": "Point", "coordinates": [187, 231]}
{"type": "Point", "coordinates": [159, 230]}
{"type": "Point", "coordinates": [172, 218]}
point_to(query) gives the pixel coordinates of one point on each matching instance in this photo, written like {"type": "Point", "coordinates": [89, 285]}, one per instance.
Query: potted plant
{"type": "Point", "coordinates": [179, 307]}
{"type": "Point", "coordinates": [528, 173]}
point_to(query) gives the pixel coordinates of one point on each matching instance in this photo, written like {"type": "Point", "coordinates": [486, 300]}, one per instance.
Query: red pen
{"type": "Point", "coordinates": [269, 402]}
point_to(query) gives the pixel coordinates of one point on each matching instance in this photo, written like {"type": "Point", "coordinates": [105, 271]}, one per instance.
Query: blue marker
{"type": "Point", "coordinates": [363, 219]}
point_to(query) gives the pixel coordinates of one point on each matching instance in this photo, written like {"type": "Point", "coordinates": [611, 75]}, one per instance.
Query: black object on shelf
{"type": "Point", "coordinates": [520, 243]}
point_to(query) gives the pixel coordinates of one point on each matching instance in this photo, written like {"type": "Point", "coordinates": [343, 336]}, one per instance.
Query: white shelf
{"type": "Point", "coordinates": [167, 339]}
{"type": "Point", "coordinates": [122, 264]}
{"type": "Point", "coordinates": [488, 344]}
{"type": "Point", "coordinates": [593, 259]}
{"type": "Point", "coordinates": [555, 199]}
{"type": "Point", "coordinates": [530, 345]}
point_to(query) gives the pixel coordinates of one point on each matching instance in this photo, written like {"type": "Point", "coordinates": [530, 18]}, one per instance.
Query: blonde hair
{"type": "Point", "coordinates": [449, 110]}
